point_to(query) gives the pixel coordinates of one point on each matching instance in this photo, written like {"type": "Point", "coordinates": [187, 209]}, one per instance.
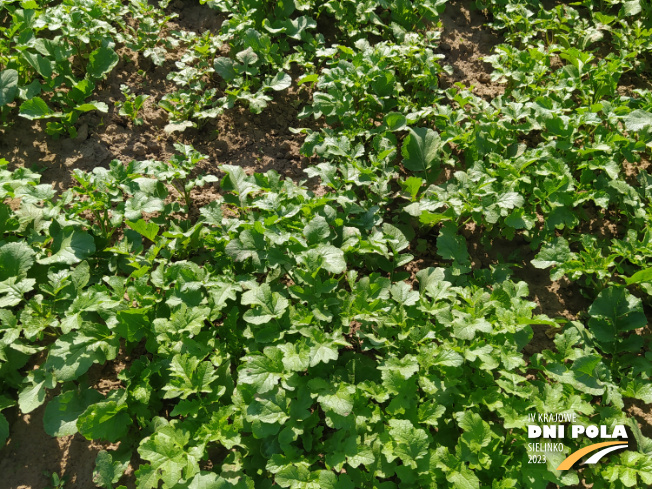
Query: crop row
{"type": "Point", "coordinates": [284, 337]}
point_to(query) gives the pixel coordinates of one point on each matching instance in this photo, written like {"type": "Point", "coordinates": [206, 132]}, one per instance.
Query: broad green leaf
{"type": "Point", "coordinates": [36, 108]}
{"type": "Point", "coordinates": [363, 456]}
{"type": "Point", "coordinates": [249, 244]}
{"type": "Point", "coordinates": [210, 480]}
{"type": "Point", "coordinates": [420, 149]}
{"type": "Point", "coordinates": [61, 413]}
{"type": "Point", "coordinates": [328, 480]}
{"type": "Point", "coordinates": [295, 27]}
{"type": "Point", "coordinates": [141, 203]}
{"type": "Point", "coordinates": [262, 371]}
{"type": "Point", "coordinates": [615, 311]}
{"type": "Point", "coordinates": [15, 260]}
{"type": "Point", "coordinates": [324, 256]}
{"type": "Point", "coordinates": [638, 120]}
{"type": "Point", "coordinates": [555, 253]}
{"type": "Point", "coordinates": [430, 413]}
{"type": "Point", "coordinates": [72, 354]}
{"type": "Point", "coordinates": [294, 476]}
{"type": "Point", "coordinates": [308, 79]}
{"type": "Point", "coordinates": [69, 245]}
{"type": "Point", "coordinates": [323, 350]}
{"type": "Point", "coordinates": [339, 401]}
{"type": "Point", "coordinates": [396, 239]}
{"type": "Point", "coordinates": [237, 181]}
{"type": "Point", "coordinates": [165, 450]}
{"type": "Point", "coordinates": [224, 67]}
{"type": "Point", "coordinates": [639, 390]}
{"type": "Point", "coordinates": [101, 61]}
{"type": "Point", "coordinates": [444, 357]}
{"type": "Point", "coordinates": [33, 396]}
{"type": "Point", "coordinates": [247, 57]}
{"type": "Point", "coordinates": [477, 432]}
{"type": "Point", "coordinates": [632, 469]}
{"type": "Point", "coordinates": [632, 7]}
{"type": "Point", "coordinates": [212, 213]}
{"type": "Point", "coordinates": [8, 221]}
{"type": "Point", "coordinates": [395, 121]}
{"type": "Point", "coordinates": [148, 229]}
{"type": "Point", "coordinates": [510, 200]}
{"type": "Point", "coordinates": [87, 107]}
{"type": "Point", "coordinates": [581, 381]}
{"type": "Point", "coordinates": [587, 364]}
{"type": "Point", "coordinates": [147, 477]}
{"type": "Point", "coordinates": [317, 230]}
{"type": "Point", "coordinates": [452, 246]}
{"type": "Point", "coordinates": [36, 194]}
{"type": "Point", "coordinates": [268, 305]}
{"type": "Point", "coordinates": [431, 279]}
{"type": "Point", "coordinates": [42, 65]}
{"type": "Point", "coordinates": [466, 327]}
{"type": "Point", "coordinates": [222, 292]}
{"type": "Point", "coordinates": [640, 277]}
{"type": "Point", "coordinates": [188, 375]}
{"type": "Point", "coordinates": [412, 185]}
{"type": "Point", "coordinates": [184, 319]}
{"type": "Point", "coordinates": [177, 127]}
{"type": "Point", "coordinates": [463, 478]}
{"type": "Point", "coordinates": [106, 420]}
{"type": "Point", "coordinates": [133, 324]}
{"type": "Point", "coordinates": [109, 468]}
{"type": "Point", "coordinates": [8, 86]}
{"type": "Point", "coordinates": [406, 366]}
{"type": "Point", "coordinates": [269, 408]}
{"type": "Point", "coordinates": [296, 357]}
{"type": "Point", "coordinates": [404, 294]}
{"type": "Point", "coordinates": [519, 219]}
{"type": "Point", "coordinates": [281, 81]}
{"type": "Point", "coordinates": [457, 472]}
{"type": "Point", "coordinates": [409, 443]}
{"type": "Point", "coordinates": [13, 290]}
{"type": "Point", "coordinates": [30, 91]}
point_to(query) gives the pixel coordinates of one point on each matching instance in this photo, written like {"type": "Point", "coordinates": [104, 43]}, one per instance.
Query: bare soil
{"type": "Point", "coordinates": [465, 41]}
{"type": "Point", "coordinates": [31, 456]}
{"type": "Point", "coordinates": [238, 137]}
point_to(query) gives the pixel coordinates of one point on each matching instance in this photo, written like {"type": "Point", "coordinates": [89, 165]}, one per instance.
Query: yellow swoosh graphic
{"type": "Point", "coordinates": [575, 456]}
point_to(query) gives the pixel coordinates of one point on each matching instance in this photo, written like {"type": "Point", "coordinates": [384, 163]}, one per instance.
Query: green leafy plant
{"type": "Point", "coordinates": [56, 482]}
{"type": "Point", "coordinates": [131, 106]}
{"type": "Point", "coordinates": [379, 327]}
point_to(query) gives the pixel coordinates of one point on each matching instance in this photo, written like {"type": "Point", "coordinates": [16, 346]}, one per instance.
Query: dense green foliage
{"type": "Point", "coordinates": [279, 334]}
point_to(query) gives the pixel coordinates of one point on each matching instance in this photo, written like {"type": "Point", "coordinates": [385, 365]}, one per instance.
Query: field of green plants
{"type": "Point", "coordinates": [374, 324]}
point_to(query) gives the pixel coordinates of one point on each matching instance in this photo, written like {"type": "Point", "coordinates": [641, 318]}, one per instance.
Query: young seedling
{"type": "Point", "coordinates": [56, 482]}
{"type": "Point", "coordinates": [131, 106]}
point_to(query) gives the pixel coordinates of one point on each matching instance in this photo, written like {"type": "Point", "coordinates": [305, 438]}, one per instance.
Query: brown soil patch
{"type": "Point", "coordinates": [631, 81]}
{"type": "Point", "coordinates": [465, 40]}
{"type": "Point", "coordinates": [641, 411]}
{"type": "Point", "coordinates": [193, 16]}
{"type": "Point", "coordinates": [632, 170]}
{"type": "Point", "coordinates": [237, 137]}
{"type": "Point", "coordinates": [555, 299]}
{"type": "Point", "coordinates": [31, 456]}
